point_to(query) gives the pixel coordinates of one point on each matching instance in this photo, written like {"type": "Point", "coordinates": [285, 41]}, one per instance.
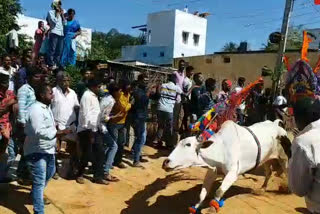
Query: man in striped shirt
{"type": "Point", "coordinates": [26, 97]}
{"type": "Point", "coordinates": [168, 96]}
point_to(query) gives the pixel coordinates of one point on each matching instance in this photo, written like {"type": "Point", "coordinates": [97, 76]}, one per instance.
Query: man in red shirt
{"type": "Point", "coordinates": [7, 102]}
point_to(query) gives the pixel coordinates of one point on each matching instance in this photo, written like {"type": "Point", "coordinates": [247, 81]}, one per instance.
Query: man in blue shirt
{"type": "Point", "coordinates": [56, 21]}
{"type": "Point", "coordinates": [140, 115]}
{"type": "Point", "coordinates": [26, 97]}
{"type": "Point", "coordinates": [40, 144]}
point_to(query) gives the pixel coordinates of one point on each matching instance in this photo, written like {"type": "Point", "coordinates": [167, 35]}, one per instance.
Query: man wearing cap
{"type": "Point", "coordinates": [7, 101]}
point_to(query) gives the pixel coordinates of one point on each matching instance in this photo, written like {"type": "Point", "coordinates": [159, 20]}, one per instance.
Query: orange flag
{"type": "Point", "coordinates": [286, 62]}
{"type": "Point", "coordinates": [316, 69]}
{"type": "Point", "coordinates": [305, 46]}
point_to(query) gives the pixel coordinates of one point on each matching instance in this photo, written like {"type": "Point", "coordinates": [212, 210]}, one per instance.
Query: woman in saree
{"type": "Point", "coordinates": [38, 37]}
{"type": "Point", "coordinates": [71, 31]}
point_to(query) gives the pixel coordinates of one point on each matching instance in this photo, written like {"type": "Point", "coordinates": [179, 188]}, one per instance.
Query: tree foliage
{"type": "Point", "coordinates": [230, 47]}
{"type": "Point", "coordinates": [108, 45]}
{"type": "Point", "coordinates": [294, 41]}
{"type": "Point", "coordinates": [9, 10]}
{"type": "Point", "coordinates": [75, 75]}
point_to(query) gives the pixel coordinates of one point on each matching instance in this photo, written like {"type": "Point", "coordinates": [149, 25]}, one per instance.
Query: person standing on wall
{"type": "Point", "coordinates": [39, 36]}
{"type": "Point", "coordinates": [56, 21]}
{"type": "Point", "coordinates": [71, 31]}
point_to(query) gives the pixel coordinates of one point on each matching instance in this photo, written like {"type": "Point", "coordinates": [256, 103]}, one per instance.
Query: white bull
{"type": "Point", "coordinates": [233, 151]}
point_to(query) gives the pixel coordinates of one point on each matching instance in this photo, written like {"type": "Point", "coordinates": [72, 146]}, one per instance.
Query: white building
{"type": "Point", "coordinates": [169, 34]}
{"type": "Point", "coordinates": [28, 26]}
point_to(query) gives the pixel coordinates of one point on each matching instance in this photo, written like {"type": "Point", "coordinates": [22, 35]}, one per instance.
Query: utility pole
{"type": "Point", "coordinates": [282, 46]}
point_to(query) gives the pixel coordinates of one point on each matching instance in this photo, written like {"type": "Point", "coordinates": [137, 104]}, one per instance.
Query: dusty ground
{"type": "Point", "coordinates": [149, 191]}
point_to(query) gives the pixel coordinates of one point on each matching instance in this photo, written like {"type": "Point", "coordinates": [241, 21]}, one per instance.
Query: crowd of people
{"type": "Point", "coordinates": [55, 39]}
{"type": "Point", "coordinates": [39, 110]}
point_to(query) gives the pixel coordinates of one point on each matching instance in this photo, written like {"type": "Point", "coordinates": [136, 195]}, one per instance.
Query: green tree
{"type": "Point", "coordinates": [9, 9]}
{"type": "Point", "coordinates": [108, 45]}
{"type": "Point", "coordinates": [230, 47]}
{"type": "Point", "coordinates": [294, 41]}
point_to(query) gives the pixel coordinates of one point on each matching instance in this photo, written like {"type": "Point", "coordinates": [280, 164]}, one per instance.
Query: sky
{"type": "Point", "coordinates": [230, 20]}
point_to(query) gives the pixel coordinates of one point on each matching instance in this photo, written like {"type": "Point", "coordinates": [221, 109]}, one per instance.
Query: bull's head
{"type": "Point", "coordinates": [186, 154]}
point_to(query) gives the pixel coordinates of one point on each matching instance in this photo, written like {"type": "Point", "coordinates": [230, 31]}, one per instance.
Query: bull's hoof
{"type": "Point", "coordinates": [194, 210]}
{"type": "Point", "coordinates": [258, 191]}
{"type": "Point", "coordinates": [216, 205]}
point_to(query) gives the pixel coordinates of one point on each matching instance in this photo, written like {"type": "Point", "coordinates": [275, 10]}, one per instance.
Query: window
{"type": "Point", "coordinates": [149, 36]}
{"type": "Point", "coordinates": [196, 39]}
{"type": "Point", "coordinates": [145, 54]}
{"type": "Point", "coordinates": [185, 37]}
{"type": "Point", "coordinates": [162, 54]}
{"type": "Point", "coordinates": [226, 59]}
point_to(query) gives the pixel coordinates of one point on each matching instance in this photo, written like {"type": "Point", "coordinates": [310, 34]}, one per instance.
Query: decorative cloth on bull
{"type": "Point", "coordinates": [225, 110]}
{"type": "Point", "coordinates": [302, 81]}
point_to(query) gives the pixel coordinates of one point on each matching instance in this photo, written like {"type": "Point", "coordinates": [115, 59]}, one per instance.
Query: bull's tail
{"type": "Point", "coordinates": [283, 138]}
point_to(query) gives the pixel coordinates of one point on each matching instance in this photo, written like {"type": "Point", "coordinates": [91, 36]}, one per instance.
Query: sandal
{"type": "Point", "coordinates": [111, 178]}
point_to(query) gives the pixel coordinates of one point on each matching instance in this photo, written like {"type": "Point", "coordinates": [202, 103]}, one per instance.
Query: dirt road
{"type": "Point", "coordinates": [149, 191]}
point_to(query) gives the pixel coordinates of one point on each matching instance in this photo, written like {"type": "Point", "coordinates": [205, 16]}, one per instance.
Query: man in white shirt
{"type": "Point", "coordinates": [168, 93]}
{"type": "Point", "coordinates": [242, 106]}
{"type": "Point", "coordinates": [65, 106]}
{"type": "Point", "coordinates": [13, 39]}
{"type": "Point", "coordinates": [187, 86]}
{"type": "Point", "coordinates": [280, 105]}
{"type": "Point", "coordinates": [6, 66]}
{"type": "Point", "coordinates": [304, 165]}
{"type": "Point", "coordinates": [106, 106]}
{"type": "Point", "coordinates": [89, 118]}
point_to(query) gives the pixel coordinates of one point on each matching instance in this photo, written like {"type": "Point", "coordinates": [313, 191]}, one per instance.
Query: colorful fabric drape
{"type": "Point", "coordinates": [302, 81]}
{"type": "Point", "coordinates": [221, 112]}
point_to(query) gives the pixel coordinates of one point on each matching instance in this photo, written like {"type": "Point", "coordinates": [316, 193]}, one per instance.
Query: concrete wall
{"type": "Point", "coordinates": [136, 53]}
{"type": "Point", "coordinates": [247, 65]}
{"type": "Point", "coordinates": [161, 25]}
{"type": "Point", "coordinates": [193, 25]}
